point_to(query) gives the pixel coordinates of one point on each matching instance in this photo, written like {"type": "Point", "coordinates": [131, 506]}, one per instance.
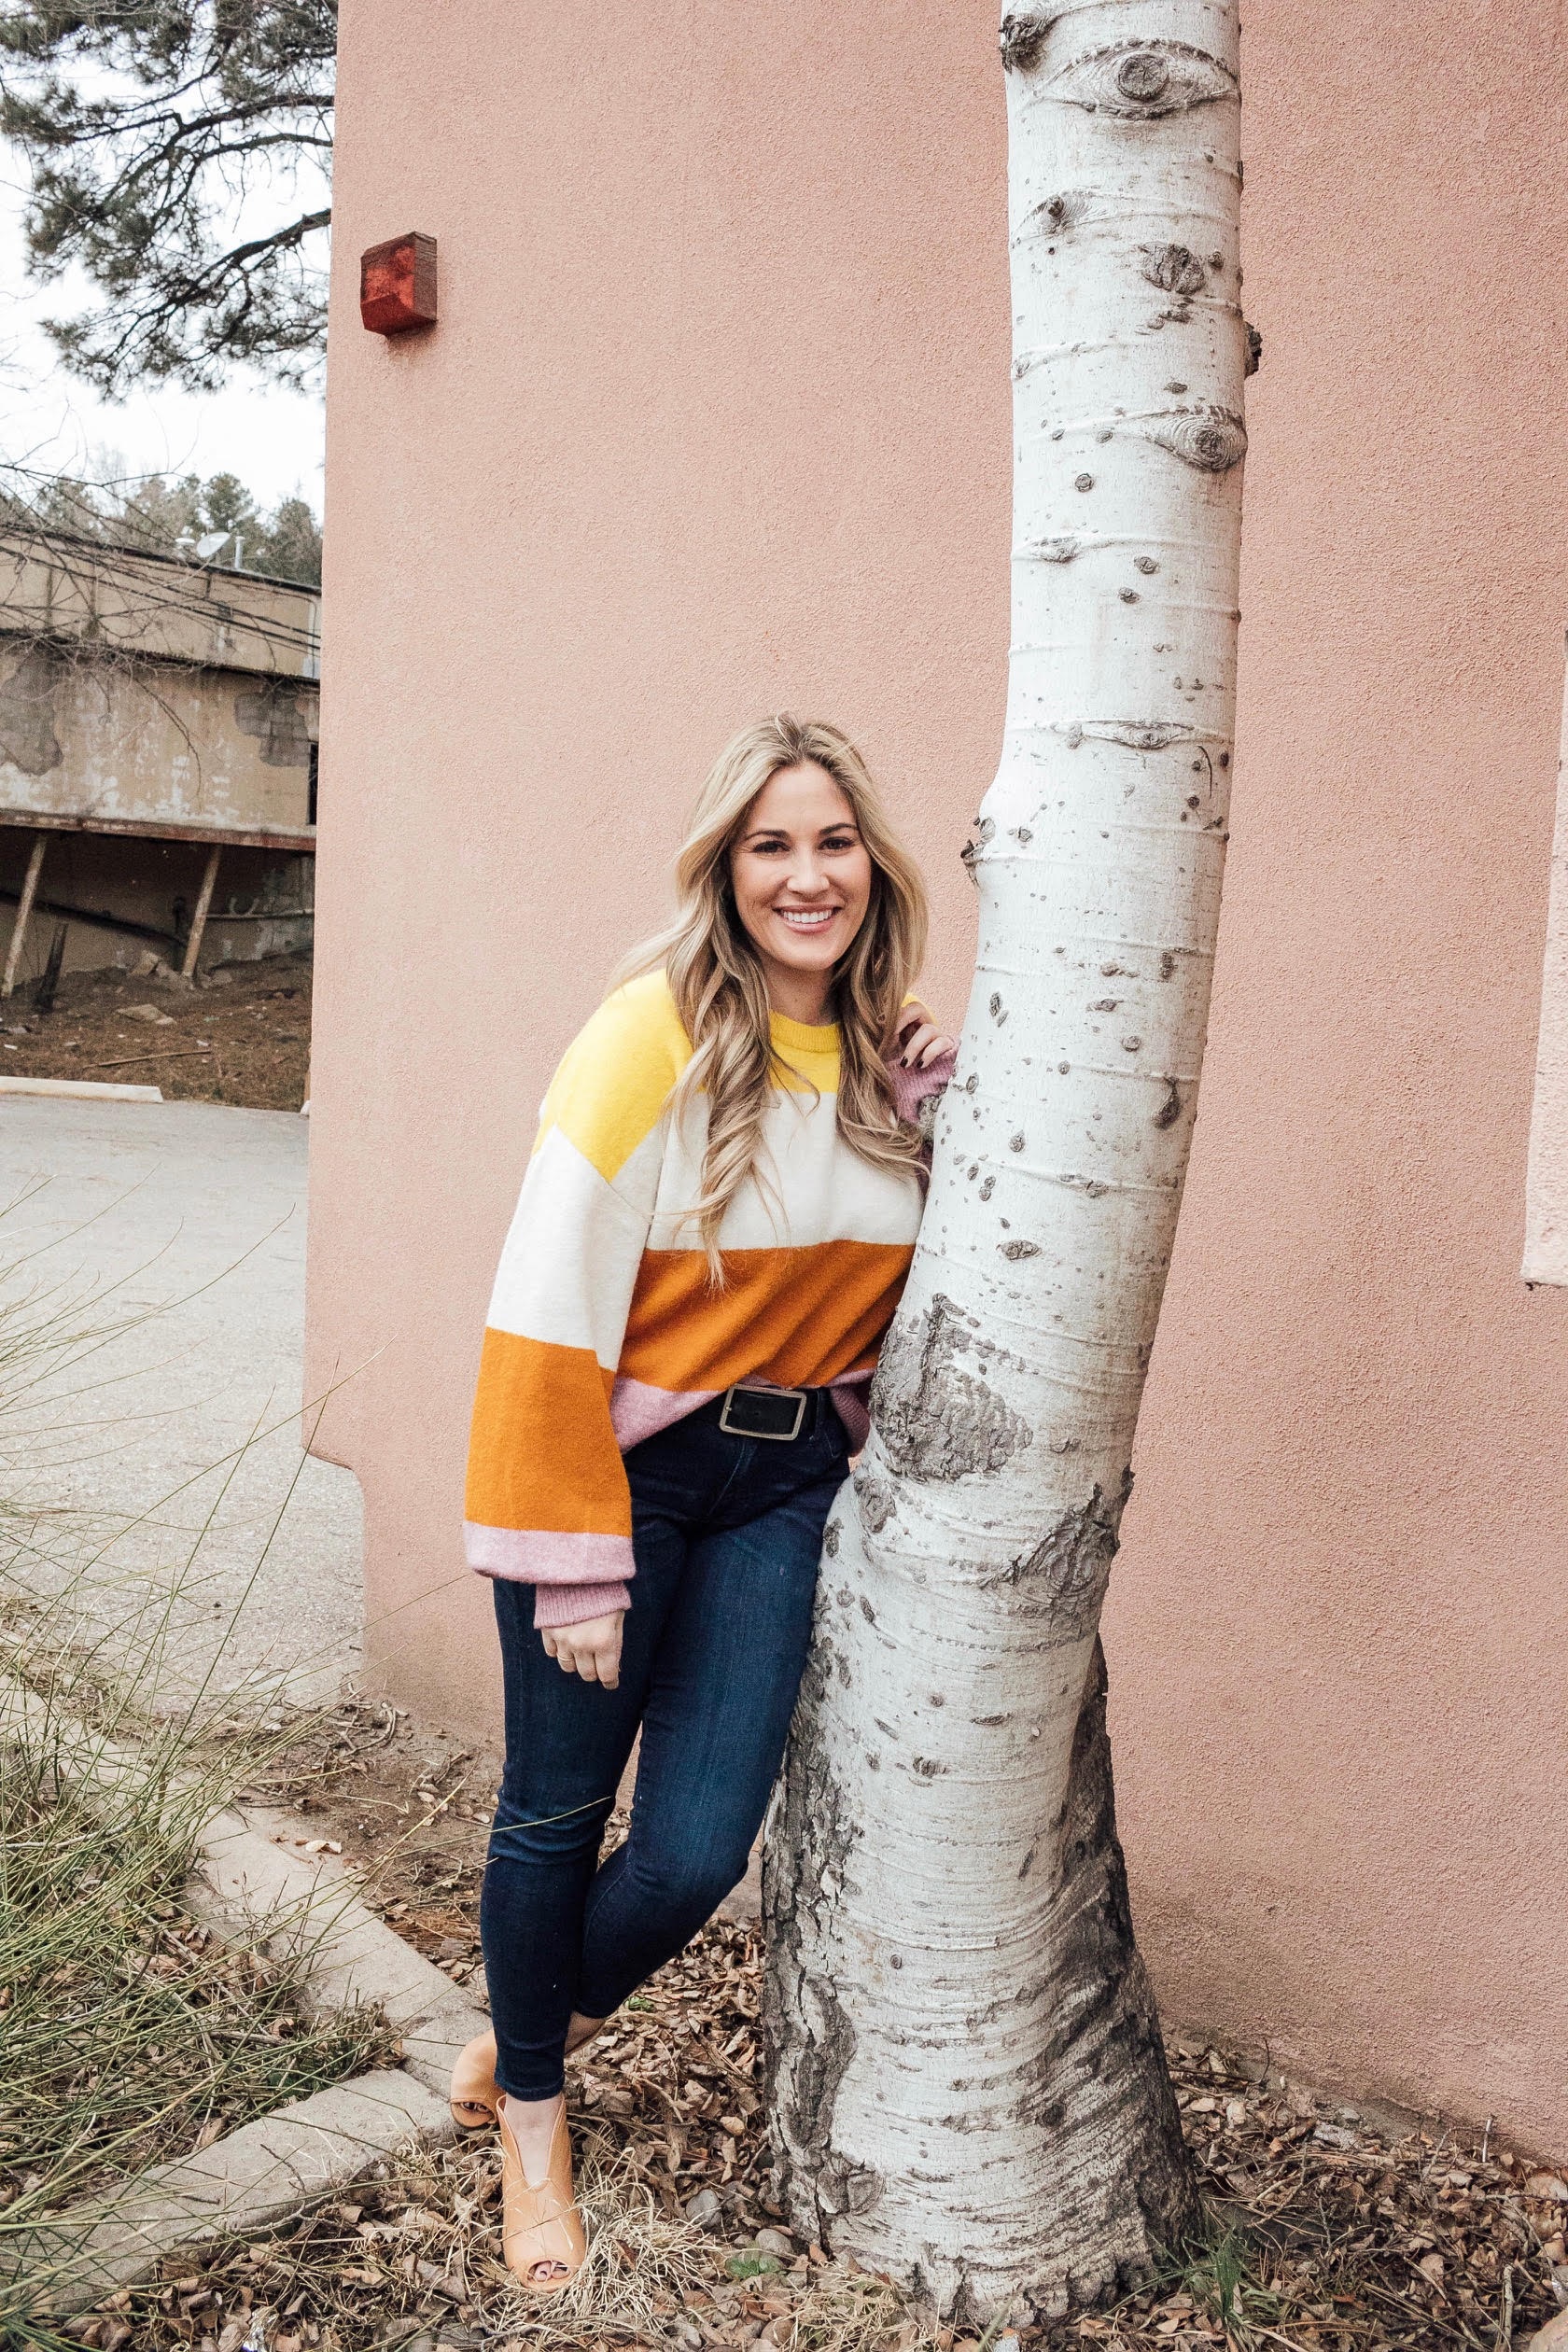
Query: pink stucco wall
{"type": "Point", "coordinates": [715, 422]}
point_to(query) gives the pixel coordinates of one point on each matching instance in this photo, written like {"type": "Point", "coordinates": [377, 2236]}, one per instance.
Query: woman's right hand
{"type": "Point", "coordinates": [590, 1649]}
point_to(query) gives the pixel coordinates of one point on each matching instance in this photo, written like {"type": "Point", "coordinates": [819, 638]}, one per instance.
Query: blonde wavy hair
{"type": "Point", "coordinates": [716, 977]}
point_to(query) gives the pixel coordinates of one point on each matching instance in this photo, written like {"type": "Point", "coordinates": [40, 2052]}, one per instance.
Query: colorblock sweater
{"type": "Point", "coordinates": [603, 1327]}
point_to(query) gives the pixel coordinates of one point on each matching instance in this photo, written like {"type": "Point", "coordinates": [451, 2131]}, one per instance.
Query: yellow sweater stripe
{"type": "Point", "coordinates": [615, 1078]}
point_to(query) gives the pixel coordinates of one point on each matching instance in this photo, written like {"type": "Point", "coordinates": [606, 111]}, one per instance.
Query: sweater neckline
{"type": "Point", "coordinates": [804, 1036]}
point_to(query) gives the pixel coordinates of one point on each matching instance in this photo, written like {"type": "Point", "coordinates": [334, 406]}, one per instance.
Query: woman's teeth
{"type": "Point", "coordinates": [798, 919]}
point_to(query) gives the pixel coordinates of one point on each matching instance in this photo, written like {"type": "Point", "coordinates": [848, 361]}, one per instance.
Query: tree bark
{"type": "Point", "coordinates": [969, 2090]}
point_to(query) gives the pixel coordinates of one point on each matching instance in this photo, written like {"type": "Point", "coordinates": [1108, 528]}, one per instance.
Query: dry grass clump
{"type": "Point", "coordinates": [129, 2035]}
{"type": "Point", "coordinates": [413, 2259]}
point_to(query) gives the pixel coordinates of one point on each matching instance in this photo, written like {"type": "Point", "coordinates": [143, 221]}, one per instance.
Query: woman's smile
{"type": "Point", "coordinates": [808, 918]}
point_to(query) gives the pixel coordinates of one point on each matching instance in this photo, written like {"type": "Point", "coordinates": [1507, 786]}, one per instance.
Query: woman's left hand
{"type": "Point", "coordinates": [920, 1041]}
{"type": "Point", "coordinates": [591, 1648]}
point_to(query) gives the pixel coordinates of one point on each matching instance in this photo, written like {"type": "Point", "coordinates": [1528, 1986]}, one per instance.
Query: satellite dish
{"type": "Point", "coordinates": [210, 541]}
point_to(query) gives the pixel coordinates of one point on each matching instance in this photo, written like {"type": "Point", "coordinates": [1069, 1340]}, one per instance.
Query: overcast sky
{"type": "Point", "coordinates": [272, 439]}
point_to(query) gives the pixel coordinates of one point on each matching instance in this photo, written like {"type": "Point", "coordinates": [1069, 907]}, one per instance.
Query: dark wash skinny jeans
{"type": "Point", "coordinates": [726, 1533]}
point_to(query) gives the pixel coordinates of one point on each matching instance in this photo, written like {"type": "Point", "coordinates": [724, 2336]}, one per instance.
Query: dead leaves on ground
{"type": "Point", "coordinates": [1326, 2234]}
{"type": "Point", "coordinates": [1337, 2238]}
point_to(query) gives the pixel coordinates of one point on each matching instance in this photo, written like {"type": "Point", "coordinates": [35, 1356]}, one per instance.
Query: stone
{"type": "Point", "coordinates": [149, 1014]}
{"type": "Point", "coordinates": [775, 2242]}
{"type": "Point", "coordinates": [704, 2211]}
{"type": "Point", "coordinates": [1553, 2337]}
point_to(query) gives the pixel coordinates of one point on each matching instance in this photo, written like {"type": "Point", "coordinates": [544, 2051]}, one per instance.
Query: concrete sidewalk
{"type": "Point", "coordinates": [160, 1249]}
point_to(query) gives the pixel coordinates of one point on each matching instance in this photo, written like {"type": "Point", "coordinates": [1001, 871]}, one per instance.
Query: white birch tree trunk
{"type": "Point", "coordinates": [969, 2087]}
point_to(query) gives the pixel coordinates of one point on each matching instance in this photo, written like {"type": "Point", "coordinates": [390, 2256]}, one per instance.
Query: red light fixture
{"type": "Point", "coordinates": [397, 284]}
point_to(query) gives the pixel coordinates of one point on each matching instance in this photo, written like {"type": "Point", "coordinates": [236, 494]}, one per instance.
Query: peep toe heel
{"type": "Point", "coordinates": [539, 2220]}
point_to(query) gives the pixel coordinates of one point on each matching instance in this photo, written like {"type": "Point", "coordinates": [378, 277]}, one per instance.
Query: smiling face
{"type": "Point", "coordinates": [802, 880]}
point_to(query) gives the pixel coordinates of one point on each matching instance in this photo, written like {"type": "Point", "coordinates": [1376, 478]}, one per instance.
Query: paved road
{"type": "Point", "coordinates": [157, 1250]}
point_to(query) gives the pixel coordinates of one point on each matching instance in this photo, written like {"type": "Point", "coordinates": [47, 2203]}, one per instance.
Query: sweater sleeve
{"type": "Point", "coordinates": [917, 1092]}
{"type": "Point", "coordinates": [547, 1500]}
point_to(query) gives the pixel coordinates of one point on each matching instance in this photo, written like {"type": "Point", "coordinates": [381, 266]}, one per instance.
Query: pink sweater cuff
{"type": "Point", "coordinates": [913, 1087]}
{"type": "Point", "coordinates": [555, 1605]}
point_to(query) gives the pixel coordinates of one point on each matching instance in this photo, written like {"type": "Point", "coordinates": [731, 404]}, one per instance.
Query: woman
{"type": "Point", "coordinates": [712, 1235]}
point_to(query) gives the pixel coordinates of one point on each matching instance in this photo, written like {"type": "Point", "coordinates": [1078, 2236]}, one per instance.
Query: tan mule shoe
{"type": "Point", "coordinates": [539, 2220]}
{"type": "Point", "coordinates": [473, 2092]}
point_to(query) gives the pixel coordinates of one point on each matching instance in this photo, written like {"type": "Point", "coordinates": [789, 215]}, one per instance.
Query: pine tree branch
{"type": "Point", "coordinates": [147, 186]}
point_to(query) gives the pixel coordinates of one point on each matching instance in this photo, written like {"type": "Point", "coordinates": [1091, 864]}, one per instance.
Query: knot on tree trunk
{"type": "Point", "coordinates": [1023, 37]}
{"type": "Point", "coordinates": [938, 1418]}
{"type": "Point", "coordinates": [1174, 268]}
{"type": "Point", "coordinates": [1060, 1584]}
{"type": "Point", "coordinates": [1140, 80]}
{"type": "Point", "coordinates": [1212, 440]}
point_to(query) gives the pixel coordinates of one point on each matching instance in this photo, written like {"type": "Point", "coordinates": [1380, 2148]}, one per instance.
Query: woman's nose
{"type": "Point", "coordinates": [807, 877]}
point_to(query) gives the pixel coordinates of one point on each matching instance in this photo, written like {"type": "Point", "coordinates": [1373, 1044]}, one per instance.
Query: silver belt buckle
{"type": "Point", "coordinates": [765, 1436]}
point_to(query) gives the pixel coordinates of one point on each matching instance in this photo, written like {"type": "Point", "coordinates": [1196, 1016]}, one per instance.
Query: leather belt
{"type": "Point", "coordinates": [777, 1415]}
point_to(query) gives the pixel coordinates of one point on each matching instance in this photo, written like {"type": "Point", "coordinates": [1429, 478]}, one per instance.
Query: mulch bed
{"type": "Point", "coordinates": [1326, 2232]}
